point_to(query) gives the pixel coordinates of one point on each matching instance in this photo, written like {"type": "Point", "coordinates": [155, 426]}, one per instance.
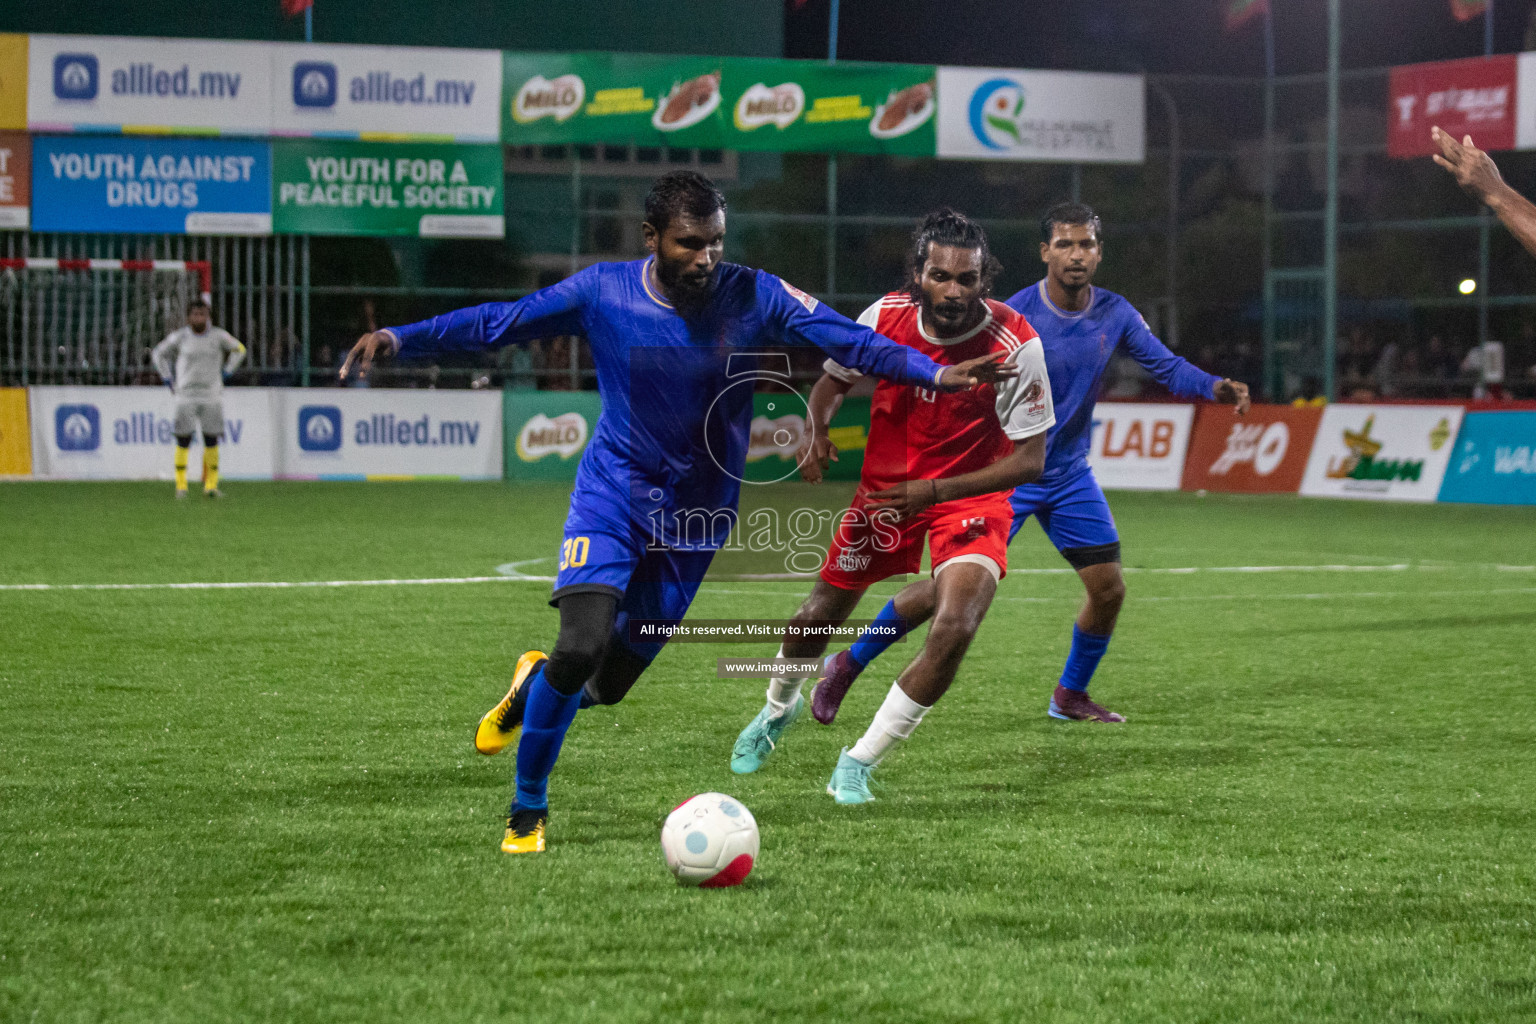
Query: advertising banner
{"type": "Point", "coordinates": [1391, 452]}
{"type": "Point", "coordinates": [1464, 97]}
{"type": "Point", "coordinates": [712, 102]}
{"type": "Point", "coordinates": [1525, 103]}
{"type": "Point", "coordinates": [15, 180]}
{"type": "Point", "coordinates": [546, 432]}
{"type": "Point", "coordinates": [358, 188]}
{"type": "Point", "coordinates": [1263, 452]}
{"type": "Point", "coordinates": [1060, 116]}
{"type": "Point", "coordinates": [13, 82]}
{"type": "Point", "coordinates": [1140, 447]}
{"type": "Point", "coordinates": [386, 93]}
{"type": "Point", "coordinates": [110, 433]}
{"type": "Point", "coordinates": [15, 433]}
{"type": "Point", "coordinates": [138, 84]}
{"type": "Point", "coordinates": [1494, 461]}
{"type": "Point", "coordinates": [388, 434]}
{"type": "Point", "coordinates": [151, 185]}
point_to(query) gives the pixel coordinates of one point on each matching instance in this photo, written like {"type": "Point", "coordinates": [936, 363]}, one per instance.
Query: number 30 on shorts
{"type": "Point", "coordinates": [573, 553]}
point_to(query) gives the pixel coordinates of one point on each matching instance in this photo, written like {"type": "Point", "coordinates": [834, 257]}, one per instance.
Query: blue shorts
{"type": "Point", "coordinates": [1074, 515]}
{"type": "Point", "coordinates": [650, 583]}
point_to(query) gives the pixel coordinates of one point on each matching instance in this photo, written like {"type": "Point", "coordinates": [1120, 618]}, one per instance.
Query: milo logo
{"type": "Point", "coordinates": [779, 437]}
{"type": "Point", "coordinates": [565, 435]}
{"type": "Point", "coordinates": [781, 105]}
{"type": "Point", "coordinates": [559, 98]}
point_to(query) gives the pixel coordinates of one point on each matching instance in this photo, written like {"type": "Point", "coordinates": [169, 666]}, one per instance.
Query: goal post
{"type": "Point", "coordinates": [91, 321]}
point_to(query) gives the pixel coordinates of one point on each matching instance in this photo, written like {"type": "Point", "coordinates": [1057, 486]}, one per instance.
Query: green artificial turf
{"type": "Point", "coordinates": [263, 804]}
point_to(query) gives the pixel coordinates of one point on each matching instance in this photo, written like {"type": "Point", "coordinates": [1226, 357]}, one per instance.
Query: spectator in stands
{"type": "Point", "coordinates": [1311, 394]}
{"type": "Point", "coordinates": [1439, 361]}
{"type": "Point", "coordinates": [1385, 373]}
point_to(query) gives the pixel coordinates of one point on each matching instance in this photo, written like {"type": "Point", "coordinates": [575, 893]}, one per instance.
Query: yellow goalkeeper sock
{"type": "Point", "coordinates": [210, 469]}
{"type": "Point", "coordinates": [181, 468]}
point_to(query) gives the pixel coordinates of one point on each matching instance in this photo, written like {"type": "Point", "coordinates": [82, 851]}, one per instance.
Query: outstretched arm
{"type": "Point", "coordinates": [557, 309]}
{"type": "Point", "coordinates": [1179, 375]}
{"type": "Point", "coordinates": [803, 320]}
{"type": "Point", "coordinates": [1479, 177]}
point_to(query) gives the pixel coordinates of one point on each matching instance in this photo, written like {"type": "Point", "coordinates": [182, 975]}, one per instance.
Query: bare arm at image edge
{"type": "Point", "coordinates": [1478, 176]}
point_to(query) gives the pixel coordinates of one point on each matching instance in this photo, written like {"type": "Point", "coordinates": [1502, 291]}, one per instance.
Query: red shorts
{"type": "Point", "coordinates": [866, 550]}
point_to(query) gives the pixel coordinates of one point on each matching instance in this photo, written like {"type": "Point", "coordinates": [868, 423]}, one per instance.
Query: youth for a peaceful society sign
{"type": "Point", "coordinates": [354, 188]}
{"type": "Point", "coordinates": [151, 185]}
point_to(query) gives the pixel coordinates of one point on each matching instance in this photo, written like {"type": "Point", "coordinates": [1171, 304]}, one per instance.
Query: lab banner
{"type": "Point", "coordinates": [1264, 452]}
{"type": "Point", "coordinates": [1383, 452]}
{"type": "Point", "coordinates": [15, 180]}
{"type": "Point", "coordinates": [1494, 462]}
{"type": "Point", "coordinates": [386, 93]}
{"type": "Point", "coordinates": [1140, 447]}
{"type": "Point", "coordinates": [360, 188]}
{"type": "Point", "coordinates": [13, 82]}
{"type": "Point", "coordinates": [112, 433]}
{"type": "Point", "coordinates": [151, 185]}
{"type": "Point", "coordinates": [118, 84]}
{"type": "Point", "coordinates": [715, 102]}
{"type": "Point", "coordinates": [389, 434]}
{"type": "Point", "coordinates": [1061, 116]}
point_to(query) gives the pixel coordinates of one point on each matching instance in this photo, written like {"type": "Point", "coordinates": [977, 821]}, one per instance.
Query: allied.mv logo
{"type": "Point", "coordinates": [75, 76]}
{"type": "Point", "coordinates": [77, 428]}
{"type": "Point", "coordinates": [319, 428]}
{"type": "Point", "coordinates": [314, 83]}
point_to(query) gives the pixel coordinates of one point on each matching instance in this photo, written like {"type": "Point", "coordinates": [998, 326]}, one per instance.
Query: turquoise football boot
{"type": "Point", "coordinates": [761, 737]}
{"type": "Point", "coordinates": [850, 780]}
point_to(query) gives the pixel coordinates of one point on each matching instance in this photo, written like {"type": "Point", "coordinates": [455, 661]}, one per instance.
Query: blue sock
{"type": "Point", "coordinates": [1083, 659]}
{"type": "Point", "coordinates": [545, 721]}
{"type": "Point", "coordinates": [870, 645]}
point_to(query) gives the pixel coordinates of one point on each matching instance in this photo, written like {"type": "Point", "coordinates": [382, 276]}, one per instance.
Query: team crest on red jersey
{"type": "Point", "coordinates": [801, 297]}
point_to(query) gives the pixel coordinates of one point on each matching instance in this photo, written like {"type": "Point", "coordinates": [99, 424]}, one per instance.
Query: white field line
{"type": "Point", "coordinates": [512, 572]}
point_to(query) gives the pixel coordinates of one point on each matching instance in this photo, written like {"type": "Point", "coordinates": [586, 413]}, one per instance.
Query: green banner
{"type": "Point", "coordinates": [323, 187]}
{"type": "Point", "coordinates": [778, 426]}
{"type": "Point", "coordinates": [718, 103]}
{"type": "Point", "coordinates": [546, 432]}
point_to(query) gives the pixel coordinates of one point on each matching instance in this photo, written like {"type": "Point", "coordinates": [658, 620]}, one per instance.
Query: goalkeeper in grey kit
{"type": "Point", "coordinates": [194, 360]}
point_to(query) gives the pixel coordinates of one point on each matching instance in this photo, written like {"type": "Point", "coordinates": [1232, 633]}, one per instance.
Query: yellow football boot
{"type": "Point", "coordinates": [501, 725]}
{"type": "Point", "coordinates": [525, 830]}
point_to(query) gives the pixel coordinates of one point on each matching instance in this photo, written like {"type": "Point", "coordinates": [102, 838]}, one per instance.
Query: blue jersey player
{"type": "Point", "coordinates": [670, 336]}
{"type": "Point", "coordinates": [1081, 327]}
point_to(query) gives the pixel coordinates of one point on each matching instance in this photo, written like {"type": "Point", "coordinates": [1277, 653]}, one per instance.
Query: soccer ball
{"type": "Point", "coordinates": [710, 841]}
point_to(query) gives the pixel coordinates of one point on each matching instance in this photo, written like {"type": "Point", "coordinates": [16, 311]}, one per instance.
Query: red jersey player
{"type": "Point", "coordinates": [937, 466]}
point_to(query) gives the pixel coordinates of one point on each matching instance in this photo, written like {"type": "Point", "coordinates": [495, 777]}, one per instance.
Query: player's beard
{"type": "Point", "coordinates": [689, 292]}
{"type": "Point", "coordinates": [956, 318]}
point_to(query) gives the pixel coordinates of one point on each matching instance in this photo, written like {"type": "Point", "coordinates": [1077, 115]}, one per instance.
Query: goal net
{"type": "Point", "coordinates": [80, 321]}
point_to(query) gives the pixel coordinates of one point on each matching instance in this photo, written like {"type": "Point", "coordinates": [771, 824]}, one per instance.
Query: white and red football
{"type": "Point", "coordinates": [710, 841]}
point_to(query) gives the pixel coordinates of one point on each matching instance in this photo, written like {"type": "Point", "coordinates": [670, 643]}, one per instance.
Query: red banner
{"type": "Point", "coordinates": [1473, 97]}
{"type": "Point", "coordinates": [1265, 451]}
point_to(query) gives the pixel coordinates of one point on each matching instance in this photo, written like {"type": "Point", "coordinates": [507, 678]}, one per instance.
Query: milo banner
{"type": "Point", "coordinates": [356, 188]}
{"type": "Point", "coordinates": [718, 103]}
{"type": "Point", "coordinates": [546, 432]}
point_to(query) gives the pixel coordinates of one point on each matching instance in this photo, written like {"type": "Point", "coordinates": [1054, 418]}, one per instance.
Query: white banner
{"type": "Point", "coordinates": [110, 83]}
{"type": "Point", "coordinates": [357, 434]}
{"type": "Point", "coordinates": [1059, 116]}
{"type": "Point", "coordinates": [1140, 447]}
{"type": "Point", "coordinates": [1392, 452]}
{"type": "Point", "coordinates": [1525, 102]}
{"type": "Point", "coordinates": [386, 92]}
{"type": "Point", "coordinates": [102, 433]}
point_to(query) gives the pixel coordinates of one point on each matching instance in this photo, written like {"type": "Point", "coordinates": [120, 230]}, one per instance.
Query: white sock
{"type": "Point", "coordinates": [782, 690]}
{"type": "Point", "coordinates": [894, 722]}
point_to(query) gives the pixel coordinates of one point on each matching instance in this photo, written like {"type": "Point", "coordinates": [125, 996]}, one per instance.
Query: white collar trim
{"type": "Point", "coordinates": [967, 336]}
